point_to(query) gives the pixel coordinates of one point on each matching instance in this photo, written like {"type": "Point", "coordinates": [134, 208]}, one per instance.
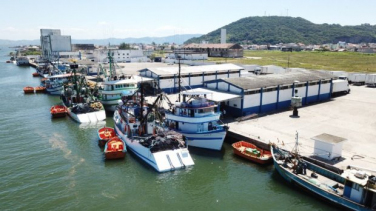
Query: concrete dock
{"type": "Point", "coordinates": [352, 117]}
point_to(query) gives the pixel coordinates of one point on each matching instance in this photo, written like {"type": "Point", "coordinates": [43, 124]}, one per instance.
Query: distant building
{"type": "Point", "coordinates": [228, 50]}
{"type": "Point", "coordinates": [52, 43]}
{"type": "Point", "coordinates": [120, 55]}
{"type": "Point", "coordinates": [83, 47]}
{"type": "Point", "coordinates": [188, 55]}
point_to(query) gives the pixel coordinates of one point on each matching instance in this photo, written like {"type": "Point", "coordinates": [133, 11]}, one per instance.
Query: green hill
{"type": "Point", "coordinates": [277, 29]}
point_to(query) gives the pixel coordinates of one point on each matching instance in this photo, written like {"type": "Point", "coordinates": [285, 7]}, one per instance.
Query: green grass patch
{"type": "Point", "coordinates": [345, 61]}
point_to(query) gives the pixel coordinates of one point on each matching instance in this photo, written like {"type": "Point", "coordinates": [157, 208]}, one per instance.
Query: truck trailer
{"type": "Point", "coordinates": [340, 87]}
{"type": "Point", "coordinates": [357, 78]}
{"type": "Point", "coordinates": [371, 80]}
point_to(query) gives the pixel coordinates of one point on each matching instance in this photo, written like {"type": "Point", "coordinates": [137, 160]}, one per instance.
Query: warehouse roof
{"type": "Point", "coordinates": [170, 71]}
{"type": "Point", "coordinates": [262, 81]}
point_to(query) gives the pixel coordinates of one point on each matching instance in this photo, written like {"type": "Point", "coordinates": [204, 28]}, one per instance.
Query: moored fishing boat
{"type": "Point", "coordinates": [58, 111]}
{"type": "Point", "coordinates": [113, 90]}
{"type": "Point", "coordinates": [198, 120]}
{"type": "Point", "coordinates": [114, 149]}
{"type": "Point", "coordinates": [40, 89]}
{"type": "Point", "coordinates": [83, 106]}
{"type": "Point", "coordinates": [105, 134]}
{"type": "Point", "coordinates": [28, 90]}
{"type": "Point", "coordinates": [251, 152]}
{"type": "Point", "coordinates": [353, 188]}
{"type": "Point", "coordinates": [55, 84]}
{"type": "Point", "coordinates": [137, 127]}
{"type": "Point", "coordinates": [114, 86]}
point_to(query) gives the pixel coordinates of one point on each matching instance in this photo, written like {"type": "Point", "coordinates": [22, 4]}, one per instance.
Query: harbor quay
{"type": "Point", "coordinates": [351, 117]}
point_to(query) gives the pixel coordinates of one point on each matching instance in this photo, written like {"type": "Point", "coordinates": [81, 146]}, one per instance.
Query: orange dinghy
{"type": "Point", "coordinates": [114, 149]}
{"type": "Point", "coordinates": [40, 89]}
{"type": "Point", "coordinates": [35, 74]}
{"type": "Point", "coordinates": [251, 152]}
{"type": "Point", "coordinates": [58, 111]}
{"type": "Point", "coordinates": [28, 90]}
{"type": "Point", "coordinates": [105, 134]}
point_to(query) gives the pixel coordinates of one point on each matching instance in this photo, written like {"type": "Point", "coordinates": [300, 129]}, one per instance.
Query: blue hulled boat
{"type": "Point", "coordinates": [353, 188]}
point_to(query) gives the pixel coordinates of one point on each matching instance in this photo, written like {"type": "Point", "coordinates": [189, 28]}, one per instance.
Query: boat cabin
{"type": "Point", "coordinates": [359, 186]}
{"type": "Point", "coordinates": [194, 105]}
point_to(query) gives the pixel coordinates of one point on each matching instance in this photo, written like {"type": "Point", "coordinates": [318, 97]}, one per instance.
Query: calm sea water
{"type": "Point", "coordinates": [49, 164]}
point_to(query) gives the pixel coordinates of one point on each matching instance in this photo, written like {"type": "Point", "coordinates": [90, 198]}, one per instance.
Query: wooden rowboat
{"type": "Point", "coordinates": [114, 149]}
{"type": "Point", "coordinates": [28, 90]}
{"type": "Point", "coordinates": [40, 89]}
{"type": "Point", "coordinates": [58, 111]}
{"type": "Point", "coordinates": [105, 134]}
{"type": "Point", "coordinates": [251, 152]}
{"type": "Point", "coordinates": [35, 74]}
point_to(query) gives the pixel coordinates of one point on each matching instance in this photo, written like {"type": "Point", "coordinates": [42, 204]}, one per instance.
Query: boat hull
{"type": "Point", "coordinates": [91, 117]}
{"type": "Point", "coordinates": [114, 155]}
{"type": "Point", "coordinates": [55, 91]}
{"type": "Point", "coordinates": [209, 140]}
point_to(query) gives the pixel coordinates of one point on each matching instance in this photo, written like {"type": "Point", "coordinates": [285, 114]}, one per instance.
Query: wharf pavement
{"type": "Point", "coordinates": [351, 116]}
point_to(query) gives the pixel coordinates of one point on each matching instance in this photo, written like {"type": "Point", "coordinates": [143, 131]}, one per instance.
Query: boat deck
{"type": "Point", "coordinates": [324, 183]}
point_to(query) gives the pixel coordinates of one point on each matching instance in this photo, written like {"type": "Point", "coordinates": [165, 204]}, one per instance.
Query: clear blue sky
{"type": "Point", "coordinates": [94, 19]}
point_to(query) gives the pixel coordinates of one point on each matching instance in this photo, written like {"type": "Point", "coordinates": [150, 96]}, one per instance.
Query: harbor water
{"type": "Point", "coordinates": [56, 164]}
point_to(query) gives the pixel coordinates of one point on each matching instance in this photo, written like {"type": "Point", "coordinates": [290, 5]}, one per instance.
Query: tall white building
{"type": "Point", "coordinates": [223, 36]}
{"type": "Point", "coordinates": [52, 43]}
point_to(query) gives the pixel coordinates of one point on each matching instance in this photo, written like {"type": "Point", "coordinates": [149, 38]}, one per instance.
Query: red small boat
{"type": "Point", "coordinates": [251, 152]}
{"type": "Point", "coordinates": [58, 111]}
{"type": "Point", "coordinates": [35, 74]}
{"type": "Point", "coordinates": [28, 90]}
{"type": "Point", "coordinates": [105, 134]}
{"type": "Point", "coordinates": [40, 89]}
{"type": "Point", "coordinates": [114, 149]}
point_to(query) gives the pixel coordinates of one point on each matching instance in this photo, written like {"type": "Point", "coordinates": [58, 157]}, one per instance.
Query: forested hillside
{"type": "Point", "coordinates": [278, 29]}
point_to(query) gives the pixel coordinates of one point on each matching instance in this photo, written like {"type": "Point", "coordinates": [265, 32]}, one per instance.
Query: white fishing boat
{"type": "Point", "coordinates": [137, 127]}
{"type": "Point", "coordinates": [55, 83]}
{"type": "Point", "coordinates": [198, 119]}
{"type": "Point", "coordinates": [22, 61]}
{"type": "Point", "coordinates": [114, 89]}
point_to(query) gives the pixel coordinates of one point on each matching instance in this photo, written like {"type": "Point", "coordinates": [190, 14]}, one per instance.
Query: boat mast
{"type": "Point", "coordinates": [111, 62]}
{"type": "Point", "coordinates": [295, 150]}
{"type": "Point", "coordinates": [179, 79]}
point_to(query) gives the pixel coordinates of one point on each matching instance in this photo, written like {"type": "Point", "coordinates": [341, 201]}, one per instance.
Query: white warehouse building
{"type": "Point", "coordinates": [120, 55]}
{"type": "Point", "coordinates": [191, 76]}
{"type": "Point", "coordinates": [266, 93]}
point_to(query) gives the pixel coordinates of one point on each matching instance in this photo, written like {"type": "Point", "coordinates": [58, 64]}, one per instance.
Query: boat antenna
{"type": "Point", "coordinates": [295, 150]}
{"type": "Point", "coordinates": [179, 78]}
